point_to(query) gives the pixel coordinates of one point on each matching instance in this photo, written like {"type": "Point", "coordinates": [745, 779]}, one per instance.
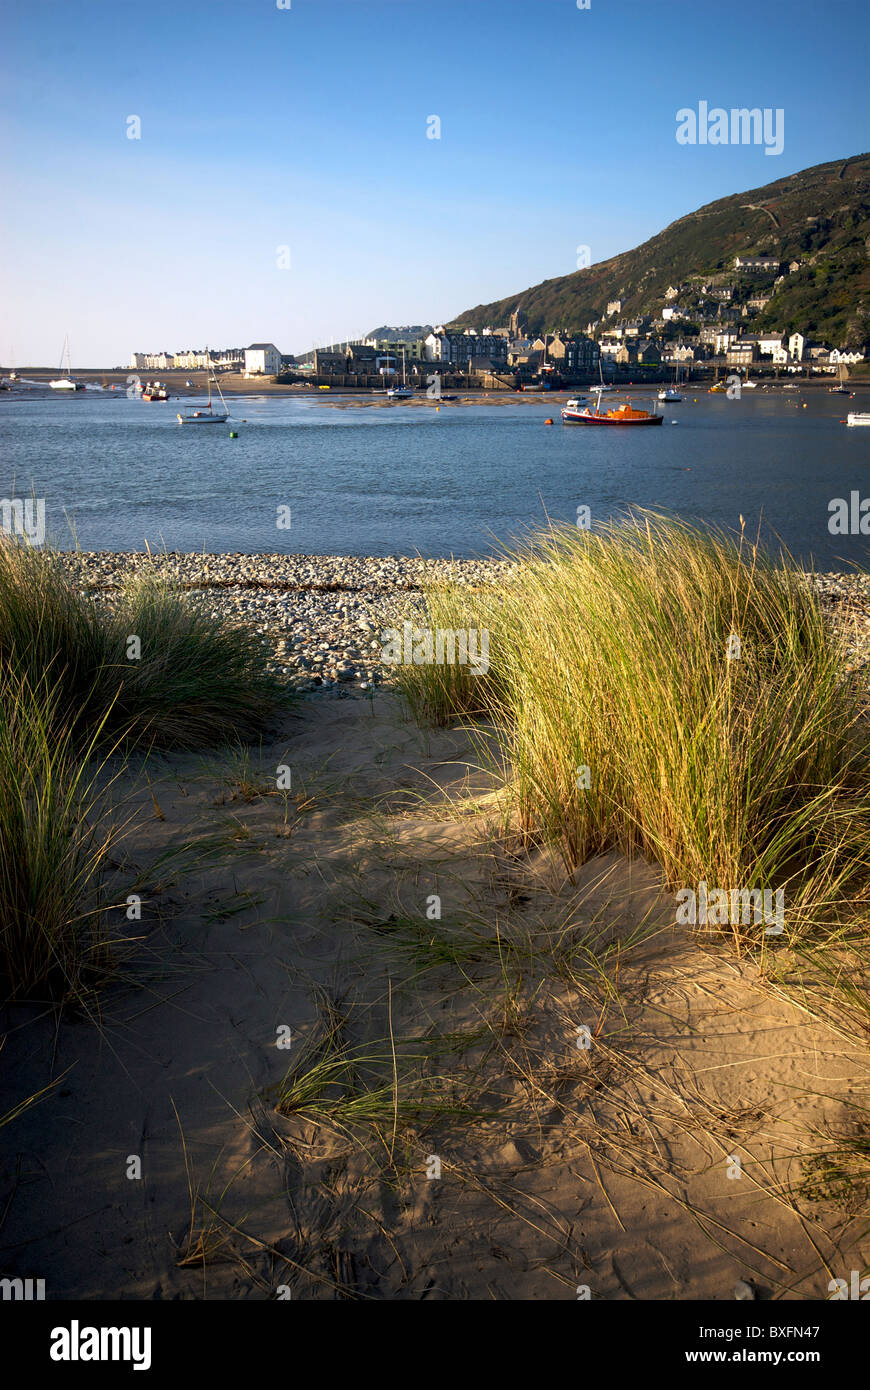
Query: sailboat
{"type": "Point", "coordinates": [841, 389]}
{"type": "Point", "coordinates": [66, 383]}
{"type": "Point", "coordinates": [401, 393]}
{"type": "Point", "coordinates": [672, 393]}
{"type": "Point", "coordinates": [208, 416]}
{"type": "Point", "coordinates": [597, 390]}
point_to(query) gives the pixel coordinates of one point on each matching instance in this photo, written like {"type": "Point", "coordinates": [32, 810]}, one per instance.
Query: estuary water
{"type": "Point", "coordinates": [363, 478]}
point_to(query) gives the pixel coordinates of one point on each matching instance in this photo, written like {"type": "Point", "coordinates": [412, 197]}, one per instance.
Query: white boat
{"type": "Point", "coordinates": [68, 382]}
{"type": "Point", "coordinates": [603, 386]}
{"type": "Point", "coordinates": [575, 403]}
{"type": "Point", "coordinates": [858, 417]}
{"type": "Point", "coordinates": [749, 385]}
{"type": "Point", "coordinates": [672, 393]}
{"type": "Point", "coordinates": [401, 393]}
{"type": "Point", "coordinates": [207, 415]}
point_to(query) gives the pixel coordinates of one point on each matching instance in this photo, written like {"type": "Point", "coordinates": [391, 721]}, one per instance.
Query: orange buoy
{"type": "Point", "coordinates": [548, 422]}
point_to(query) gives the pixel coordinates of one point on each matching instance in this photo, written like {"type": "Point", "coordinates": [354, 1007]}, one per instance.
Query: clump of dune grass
{"type": "Point", "coordinates": [79, 681]}
{"type": "Point", "coordinates": [54, 844]}
{"type": "Point", "coordinates": [199, 680]}
{"type": "Point", "coordinates": [662, 689]}
{"type": "Point", "coordinates": [49, 633]}
{"type": "Point", "coordinates": [155, 667]}
{"type": "Point", "coordinates": [438, 691]}
{"type": "Point", "coordinates": [341, 1085]}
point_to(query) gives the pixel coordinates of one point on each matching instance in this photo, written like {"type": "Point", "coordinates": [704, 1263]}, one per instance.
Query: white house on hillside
{"type": "Point", "coordinates": [796, 345]}
{"type": "Point", "coordinates": [262, 359]}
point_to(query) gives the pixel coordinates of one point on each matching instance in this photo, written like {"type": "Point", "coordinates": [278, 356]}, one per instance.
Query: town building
{"type": "Point", "coordinates": [796, 345]}
{"type": "Point", "coordinates": [742, 352]}
{"type": "Point", "coordinates": [518, 324]}
{"type": "Point", "coordinates": [768, 343]}
{"type": "Point", "coordinates": [262, 359]}
{"type": "Point", "coordinates": [756, 263]}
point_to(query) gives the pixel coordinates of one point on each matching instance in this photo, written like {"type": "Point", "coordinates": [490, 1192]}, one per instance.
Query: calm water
{"type": "Point", "coordinates": [403, 479]}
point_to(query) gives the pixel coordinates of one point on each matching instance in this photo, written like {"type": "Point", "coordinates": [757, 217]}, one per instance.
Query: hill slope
{"type": "Point", "coordinates": [819, 217]}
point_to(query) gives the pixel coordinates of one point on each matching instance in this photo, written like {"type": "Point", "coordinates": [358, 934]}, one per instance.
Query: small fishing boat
{"type": "Point", "coordinates": [155, 391]}
{"type": "Point", "coordinates": [858, 417]}
{"type": "Point", "coordinates": [623, 415]}
{"type": "Point", "coordinates": [575, 403]}
{"type": "Point", "coordinates": [208, 415]}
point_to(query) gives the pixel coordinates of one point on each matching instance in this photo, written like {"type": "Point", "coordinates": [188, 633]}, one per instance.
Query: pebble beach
{"type": "Point", "coordinates": [322, 615]}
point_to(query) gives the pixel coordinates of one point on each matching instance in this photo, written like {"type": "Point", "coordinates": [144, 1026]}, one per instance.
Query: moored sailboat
{"type": "Point", "coordinates": [208, 415]}
{"type": "Point", "coordinates": [68, 382]}
{"type": "Point", "coordinates": [403, 392]}
{"type": "Point", "coordinates": [672, 393]}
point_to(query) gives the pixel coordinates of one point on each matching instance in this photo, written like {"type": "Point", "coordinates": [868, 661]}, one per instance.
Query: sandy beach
{"type": "Point", "coordinates": [578, 1080]}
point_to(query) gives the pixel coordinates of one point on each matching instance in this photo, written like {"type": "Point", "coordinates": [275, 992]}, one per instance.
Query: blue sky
{"type": "Point", "coordinates": [306, 128]}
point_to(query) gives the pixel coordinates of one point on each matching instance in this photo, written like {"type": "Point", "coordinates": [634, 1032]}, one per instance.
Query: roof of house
{"type": "Point", "coordinates": [259, 347]}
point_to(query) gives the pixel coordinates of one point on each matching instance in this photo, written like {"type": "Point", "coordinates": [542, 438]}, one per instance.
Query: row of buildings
{"type": "Point", "coordinates": [259, 359]}
{"type": "Point", "coordinates": [711, 319]}
{"type": "Point", "coordinates": [705, 319]}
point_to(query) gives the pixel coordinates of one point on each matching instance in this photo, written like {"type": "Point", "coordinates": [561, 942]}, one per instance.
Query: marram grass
{"type": "Point", "coordinates": [54, 843]}
{"type": "Point", "coordinates": [77, 682]}
{"type": "Point", "coordinates": [661, 689]}
{"type": "Point", "coordinates": [155, 667]}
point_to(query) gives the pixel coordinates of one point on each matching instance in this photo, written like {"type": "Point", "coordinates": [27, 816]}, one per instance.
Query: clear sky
{"type": "Point", "coordinates": [306, 128]}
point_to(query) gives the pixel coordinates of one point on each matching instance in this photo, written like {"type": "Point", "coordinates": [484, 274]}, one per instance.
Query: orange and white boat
{"type": "Point", "coordinates": [623, 415]}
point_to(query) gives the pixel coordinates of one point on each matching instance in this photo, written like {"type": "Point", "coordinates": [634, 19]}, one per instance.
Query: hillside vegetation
{"type": "Point", "coordinates": [819, 217]}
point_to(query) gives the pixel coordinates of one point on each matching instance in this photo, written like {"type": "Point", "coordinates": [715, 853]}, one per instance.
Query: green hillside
{"type": "Point", "coordinates": [819, 217]}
